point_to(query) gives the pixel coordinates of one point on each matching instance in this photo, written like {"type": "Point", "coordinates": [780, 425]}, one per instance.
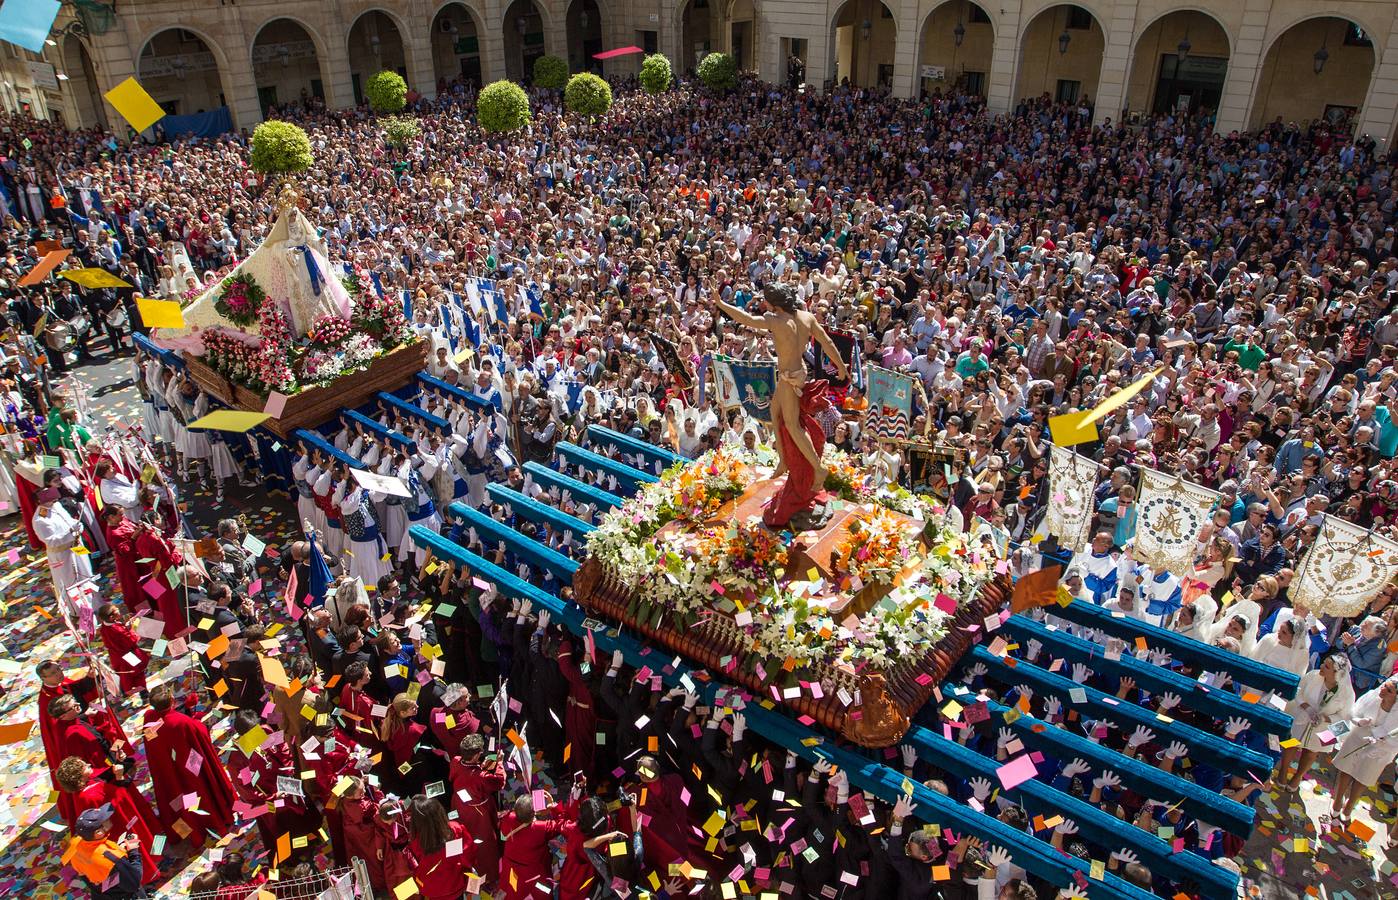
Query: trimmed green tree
{"type": "Point", "coordinates": [280, 148]}
{"type": "Point", "coordinates": [587, 95]}
{"type": "Point", "coordinates": [400, 131]}
{"type": "Point", "coordinates": [502, 106]}
{"type": "Point", "coordinates": [550, 72]}
{"type": "Point", "coordinates": [719, 71]}
{"type": "Point", "coordinates": [386, 92]}
{"type": "Point", "coordinates": [656, 73]}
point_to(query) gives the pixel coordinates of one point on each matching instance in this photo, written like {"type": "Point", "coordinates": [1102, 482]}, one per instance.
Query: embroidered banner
{"type": "Point", "coordinates": [1170, 513]}
{"type": "Point", "coordinates": [1344, 569]}
{"type": "Point", "coordinates": [747, 383]}
{"type": "Point", "coordinates": [1069, 514]}
{"type": "Point", "coordinates": [890, 403]}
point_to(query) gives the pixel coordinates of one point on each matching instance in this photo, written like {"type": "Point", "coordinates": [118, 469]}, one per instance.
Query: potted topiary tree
{"type": "Point", "coordinates": [656, 73]}
{"type": "Point", "coordinates": [502, 106]}
{"type": "Point", "coordinates": [280, 149]}
{"type": "Point", "coordinates": [587, 95]}
{"type": "Point", "coordinates": [550, 72]}
{"type": "Point", "coordinates": [400, 131]}
{"type": "Point", "coordinates": [387, 93]}
{"type": "Point", "coordinates": [719, 71]}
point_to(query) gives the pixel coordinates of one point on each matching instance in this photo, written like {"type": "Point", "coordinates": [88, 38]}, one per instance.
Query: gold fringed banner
{"type": "Point", "coordinates": [1344, 569]}
{"type": "Point", "coordinates": [1170, 513]}
{"type": "Point", "coordinates": [1071, 480]}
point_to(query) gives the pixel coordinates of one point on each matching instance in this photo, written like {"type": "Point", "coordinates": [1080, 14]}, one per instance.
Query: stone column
{"type": "Point", "coordinates": [492, 40]}
{"type": "Point", "coordinates": [905, 48]}
{"type": "Point", "coordinates": [1004, 61]}
{"type": "Point", "coordinates": [417, 48]}
{"type": "Point", "coordinates": [1116, 62]}
{"type": "Point", "coordinates": [1244, 67]}
{"type": "Point", "coordinates": [1380, 111]}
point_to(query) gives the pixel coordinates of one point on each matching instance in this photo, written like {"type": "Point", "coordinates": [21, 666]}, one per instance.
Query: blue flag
{"type": "Point", "coordinates": [408, 305]}
{"type": "Point", "coordinates": [535, 297]}
{"type": "Point", "coordinates": [378, 285]}
{"type": "Point", "coordinates": [318, 581]}
{"type": "Point", "coordinates": [502, 311]}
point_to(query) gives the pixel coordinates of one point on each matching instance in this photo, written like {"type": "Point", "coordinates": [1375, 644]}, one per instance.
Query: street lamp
{"type": "Point", "coordinates": [1063, 40]}
{"type": "Point", "coordinates": [866, 28]}
{"type": "Point", "coordinates": [284, 52]}
{"type": "Point", "coordinates": [1318, 60]}
{"type": "Point", "coordinates": [958, 34]}
{"type": "Point", "coordinates": [1184, 47]}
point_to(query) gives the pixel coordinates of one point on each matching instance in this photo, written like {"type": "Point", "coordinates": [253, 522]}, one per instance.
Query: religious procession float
{"type": "Point", "coordinates": [286, 321]}
{"type": "Point", "coordinates": [851, 623]}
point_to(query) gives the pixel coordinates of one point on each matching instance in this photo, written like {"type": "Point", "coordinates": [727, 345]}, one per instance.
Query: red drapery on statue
{"type": "Point", "coordinates": [800, 490]}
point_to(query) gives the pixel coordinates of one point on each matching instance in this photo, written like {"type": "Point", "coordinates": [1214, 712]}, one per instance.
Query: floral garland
{"type": "Point", "coordinates": [329, 332]}
{"type": "Point", "coordinates": [379, 316]}
{"type": "Point", "coordinates": [240, 300]}
{"type": "Point", "coordinates": [739, 569]}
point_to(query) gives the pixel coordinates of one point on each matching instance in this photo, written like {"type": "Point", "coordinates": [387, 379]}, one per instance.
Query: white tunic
{"type": "Point", "coordinates": [1359, 759]}
{"type": "Point", "coordinates": [118, 490]}
{"type": "Point", "coordinates": [1322, 711]}
{"type": "Point", "coordinates": [60, 533]}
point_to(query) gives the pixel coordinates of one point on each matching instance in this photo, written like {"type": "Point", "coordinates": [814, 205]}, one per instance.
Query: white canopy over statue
{"type": "Point", "coordinates": [290, 266]}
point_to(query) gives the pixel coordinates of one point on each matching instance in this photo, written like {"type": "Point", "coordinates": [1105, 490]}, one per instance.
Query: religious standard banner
{"type": "Point", "coordinates": [384, 484]}
{"type": "Point", "coordinates": [1072, 477]}
{"type": "Point", "coordinates": [890, 397]}
{"type": "Point", "coordinates": [671, 357]}
{"type": "Point", "coordinates": [1170, 513]}
{"type": "Point", "coordinates": [1344, 569]}
{"type": "Point", "coordinates": [845, 343]}
{"type": "Point", "coordinates": [748, 384]}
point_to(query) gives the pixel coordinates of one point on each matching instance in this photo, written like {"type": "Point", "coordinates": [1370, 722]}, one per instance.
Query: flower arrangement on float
{"type": "Point", "coordinates": [740, 570]}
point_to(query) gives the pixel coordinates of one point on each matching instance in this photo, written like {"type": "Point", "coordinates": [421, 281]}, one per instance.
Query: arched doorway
{"type": "Point", "coordinates": [700, 21]}
{"type": "Point", "coordinates": [375, 44]}
{"type": "Point", "coordinates": [1060, 54]}
{"type": "Point", "coordinates": [958, 43]}
{"type": "Point", "coordinates": [1178, 64]}
{"type": "Point", "coordinates": [864, 37]}
{"type": "Point", "coordinates": [80, 77]}
{"type": "Point", "coordinates": [1317, 68]}
{"type": "Point", "coordinates": [286, 65]}
{"type": "Point", "coordinates": [584, 36]}
{"type": "Point", "coordinates": [524, 39]}
{"type": "Point", "coordinates": [742, 34]}
{"type": "Point", "coordinates": [179, 70]}
{"type": "Point", "coordinates": [456, 45]}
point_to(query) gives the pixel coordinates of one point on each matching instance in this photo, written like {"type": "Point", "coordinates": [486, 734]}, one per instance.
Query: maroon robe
{"type": "Point", "coordinates": [88, 741]}
{"type": "Point", "coordinates": [442, 877]}
{"type": "Point", "coordinates": [255, 781]}
{"type": "Point", "coordinates": [526, 860]}
{"type": "Point", "coordinates": [48, 730]}
{"type": "Point", "coordinates": [580, 718]}
{"type": "Point", "coordinates": [328, 769]}
{"type": "Point", "coordinates": [131, 815]}
{"type": "Point", "coordinates": [359, 826]}
{"type": "Point", "coordinates": [120, 640]}
{"type": "Point", "coordinates": [121, 540]}
{"type": "Point", "coordinates": [449, 736]}
{"type": "Point", "coordinates": [664, 823]}
{"type": "Point", "coordinates": [389, 866]}
{"type": "Point", "coordinates": [172, 741]}
{"type": "Point", "coordinates": [358, 716]}
{"type": "Point", "coordinates": [479, 814]}
{"type": "Point", "coordinates": [151, 545]}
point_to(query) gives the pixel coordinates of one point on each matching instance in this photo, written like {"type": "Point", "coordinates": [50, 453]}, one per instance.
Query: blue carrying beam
{"type": "Point", "coordinates": [1187, 650]}
{"type": "Point", "coordinates": [1094, 824]}
{"type": "Point", "coordinates": [1148, 781]}
{"type": "Point", "coordinates": [547, 477]}
{"type": "Point", "coordinates": [380, 430]}
{"type": "Point", "coordinates": [412, 409]}
{"type": "Point", "coordinates": [312, 439]}
{"type": "Point", "coordinates": [629, 446]}
{"type": "Point", "coordinates": [541, 513]}
{"type": "Point", "coordinates": [429, 383]}
{"type": "Point", "coordinates": [1203, 747]}
{"type": "Point", "coordinates": [1215, 702]}
{"type": "Point", "coordinates": [530, 551]}
{"type": "Point", "coordinates": [629, 479]}
{"type": "Point", "coordinates": [1032, 854]}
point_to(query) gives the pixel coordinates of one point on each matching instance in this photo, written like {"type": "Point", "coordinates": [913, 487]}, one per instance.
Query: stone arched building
{"type": "Point", "coordinates": [1247, 61]}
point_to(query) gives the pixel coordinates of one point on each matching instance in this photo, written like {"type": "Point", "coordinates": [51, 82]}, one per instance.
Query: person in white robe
{"type": "Point", "coordinates": [394, 518]}
{"type": "Point", "coordinates": [1323, 697]}
{"type": "Point", "coordinates": [366, 545]}
{"type": "Point", "coordinates": [324, 488]}
{"type": "Point", "coordinates": [417, 473]}
{"type": "Point", "coordinates": [115, 489]}
{"type": "Point", "coordinates": [305, 497]}
{"type": "Point", "coordinates": [62, 537]}
{"type": "Point", "coordinates": [1368, 748]}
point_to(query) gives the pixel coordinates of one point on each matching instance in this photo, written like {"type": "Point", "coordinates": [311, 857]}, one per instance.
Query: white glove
{"type": "Point", "coordinates": [909, 755]}
{"type": "Point", "coordinates": [1142, 735]}
{"type": "Point", "coordinates": [1075, 768]}
{"type": "Point", "coordinates": [790, 759]}
{"type": "Point", "coordinates": [1066, 827]}
{"type": "Point", "coordinates": [525, 609]}
{"type": "Point", "coordinates": [996, 857]}
{"type": "Point", "coordinates": [1168, 701]}
{"type": "Point", "coordinates": [617, 658]}
{"type": "Point", "coordinates": [977, 671]}
{"type": "Point", "coordinates": [1125, 857]}
{"type": "Point", "coordinates": [691, 699]}
{"type": "Point", "coordinates": [1160, 658]}
{"type": "Point", "coordinates": [841, 782]}
{"type": "Point", "coordinates": [980, 788]}
{"type": "Point", "coordinates": [740, 726]}
{"type": "Point", "coordinates": [1235, 727]}
{"type": "Point", "coordinates": [1053, 707]}
{"type": "Point", "coordinates": [823, 766]}
{"type": "Point", "coordinates": [1176, 750]}
{"type": "Point", "coordinates": [1004, 737]}
{"type": "Point", "coordinates": [543, 619]}
{"type": "Point", "coordinates": [1032, 649]}
{"type": "Point", "coordinates": [1107, 779]}
{"type": "Point", "coordinates": [1081, 673]}
{"type": "Point", "coordinates": [903, 807]}
{"type": "Point", "coordinates": [1025, 691]}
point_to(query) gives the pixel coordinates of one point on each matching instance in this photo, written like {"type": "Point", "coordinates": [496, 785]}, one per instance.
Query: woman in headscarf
{"type": "Point", "coordinates": [1323, 697]}
{"type": "Point", "coordinates": [1285, 648]}
{"type": "Point", "coordinates": [1366, 750]}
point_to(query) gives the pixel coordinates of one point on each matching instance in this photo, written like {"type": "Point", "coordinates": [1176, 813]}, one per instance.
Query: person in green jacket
{"type": "Point", "coordinates": [1250, 355]}
{"type": "Point", "coordinates": [64, 432]}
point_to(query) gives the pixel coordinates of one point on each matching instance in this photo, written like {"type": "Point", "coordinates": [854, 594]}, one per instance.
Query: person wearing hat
{"type": "Point", "coordinates": [113, 869]}
{"type": "Point", "coordinates": [61, 534]}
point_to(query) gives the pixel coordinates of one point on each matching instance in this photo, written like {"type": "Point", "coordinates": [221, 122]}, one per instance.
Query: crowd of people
{"type": "Point", "coordinates": [1019, 266]}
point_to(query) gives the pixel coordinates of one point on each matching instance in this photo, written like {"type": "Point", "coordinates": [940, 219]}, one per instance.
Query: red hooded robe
{"type": "Point", "coordinates": [183, 760]}
{"type": "Point", "coordinates": [479, 813]}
